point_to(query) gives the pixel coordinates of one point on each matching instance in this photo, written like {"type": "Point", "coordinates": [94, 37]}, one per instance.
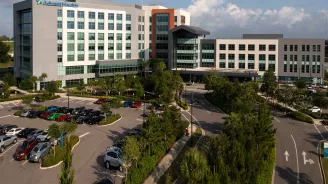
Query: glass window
{"type": "Point", "coordinates": [291, 48]}
{"type": "Point", "coordinates": [118, 55]}
{"type": "Point", "coordinates": [183, 19]}
{"type": "Point", "coordinates": [92, 56]}
{"type": "Point", "coordinates": [92, 25]}
{"type": "Point", "coordinates": [111, 46]}
{"type": "Point", "coordinates": [314, 48]}
{"type": "Point", "coordinates": [70, 47]}
{"type": "Point", "coordinates": [318, 48]}
{"type": "Point", "coordinates": [92, 15]}
{"type": "Point", "coordinates": [272, 47]}
{"type": "Point", "coordinates": [128, 55]}
{"type": "Point", "coordinates": [59, 24]}
{"type": "Point", "coordinates": [110, 55]}
{"type": "Point", "coordinates": [80, 47]}
{"type": "Point", "coordinates": [100, 26]}
{"type": "Point", "coordinates": [80, 14]}
{"type": "Point", "coordinates": [118, 36]}
{"type": "Point", "coordinates": [70, 36]}
{"type": "Point", "coordinates": [128, 17]}
{"type": "Point", "coordinates": [110, 26]}
{"type": "Point", "coordinates": [261, 66]}
{"type": "Point", "coordinates": [59, 13]}
{"type": "Point", "coordinates": [70, 58]}
{"type": "Point", "coordinates": [143, 19]}
{"type": "Point", "coordinates": [231, 57]}
{"type": "Point", "coordinates": [242, 47]}
{"type": "Point", "coordinates": [100, 56]}
{"type": "Point", "coordinates": [307, 48]}
{"type": "Point", "coordinates": [100, 36]}
{"type": "Point", "coordinates": [272, 57]}
{"type": "Point", "coordinates": [101, 46]}
{"type": "Point", "coordinates": [251, 57]}
{"type": "Point", "coordinates": [70, 24]}
{"type": "Point", "coordinates": [231, 47]}
{"type": "Point", "coordinates": [118, 26]}
{"type": "Point", "coordinates": [59, 36]}
{"type": "Point", "coordinates": [175, 19]}
{"type": "Point", "coordinates": [110, 16]}
{"type": "Point", "coordinates": [262, 47]}
{"type": "Point", "coordinates": [262, 57]}
{"type": "Point", "coordinates": [318, 58]}
{"type": "Point", "coordinates": [295, 48]}
{"type": "Point", "coordinates": [59, 47]}
{"type": "Point", "coordinates": [110, 36]}
{"type": "Point", "coordinates": [285, 57]}
{"type": "Point", "coordinates": [285, 48]}
{"type": "Point", "coordinates": [118, 46]}
{"type": "Point", "coordinates": [100, 15]}
{"type": "Point", "coordinates": [70, 13]}
{"type": "Point", "coordinates": [91, 36]}
{"type": "Point", "coordinates": [222, 56]}
{"type": "Point", "coordinates": [128, 46]}
{"type": "Point", "coordinates": [303, 49]}
{"type": "Point", "coordinates": [59, 58]}
{"type": "Point", "coordinates": [80, 57]}
{"type": "Point", "coordinates": [91, 47]}
{"type": "Point", "coordinates": [241, 56]}
{"type": "Point", "coordinates": [295, 58]}
{"type": "Point", "coordinates": [80, 25]}
{"type": "Point", "coordinates": [128, 36]}
{"type": "Point", "coordinates": [80, 36]}
{"type": "Point", "coordinates": [139, 18]}
{"type": "Point", "coordinates": [251, 47]}
{"type": "Point", "coordinates": [119, 17]}
{"type": "Point", "coordinates": [128, 27]}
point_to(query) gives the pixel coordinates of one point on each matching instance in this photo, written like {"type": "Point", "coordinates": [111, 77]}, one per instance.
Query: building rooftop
{"type": "Point", "coordinates": [263, 36]}
{"type": "Point", "coordinates": [192, 29]}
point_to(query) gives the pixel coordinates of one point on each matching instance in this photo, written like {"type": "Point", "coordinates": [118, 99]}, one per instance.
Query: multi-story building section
{"type": "Point", "coordinates": [70, 41]}
{"type": "Point", "coordinates": [250, 57]}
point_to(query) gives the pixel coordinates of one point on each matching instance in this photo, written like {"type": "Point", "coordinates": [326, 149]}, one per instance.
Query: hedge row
{"type": "Point", "coordinates": [51, 159]}
{"type": "Point", "coordinates": [182, 104]}
{"type": "Point", "coordinates": [18, 98]}
{"type": "Point", "coordinates": [301, 117]}
{"type": "Point", "coordinates": [110, 119]}
{"type": "Point", "coordinates": [265, 175]}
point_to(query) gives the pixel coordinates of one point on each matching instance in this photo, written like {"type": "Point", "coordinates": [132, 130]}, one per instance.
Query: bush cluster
{"type": "Point", "coordinates": [301, 117]}
{"type": "Point", "coordinates": [51, 159]}
{"type": "Point", "coordinates": [110, 119]}
{"type": "Point", "coordinates": [17, 113]}
{"type": "Point", "coordinates": [182, 104]}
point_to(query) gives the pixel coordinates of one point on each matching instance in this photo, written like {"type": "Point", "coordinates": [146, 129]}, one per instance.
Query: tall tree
{"type": "Point", "coordinates": [44, 76]}
{"type": "Point", "coordinates": [119, 84]}
{"type": "Point", "coordinates": [52, 88]}
{"type": "Point", "coordinates": [139, 90]}
{"type": "Point", "coordinates": [27, 101]}
{"type": "Point", "coordinates": [5, 90]}
{"type": "Point", "coordinates": [54, 132]}
{"type": "Point", "coordinates": [130, 81]}
{"type": "Point", "coordinates": [150, 130]}
{"type": "Point", "coordinates": [105, 108]}
{"type": "Point", "coordinates": [301, 84]}
{"type": "Point", "coordinates": [193, 167]}
{"type": "Point", "coordinates": [68, 128]}
{"type": "Point", "coordinates": [10, 79]}
{"type": "Point", "coordinates": [33, 80]}
{"type": "Point", "coordinates": [4, 49]}
{"type": "Point", "coordinates": [106, 84]}
{"type": "Point", "coordinates": [131, 153]}
{"type": "Point", "coordinates": [145, 67]}
{"type": "Point", "coordinates": [67, 171]}
{"type": "Point", "coordinates": [270, 84]}
{"type": "Point", "coordinates": [81, 85]}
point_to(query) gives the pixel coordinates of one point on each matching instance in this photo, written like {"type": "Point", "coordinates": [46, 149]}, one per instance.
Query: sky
{"type": "Point", "coordinates": [232, 18]}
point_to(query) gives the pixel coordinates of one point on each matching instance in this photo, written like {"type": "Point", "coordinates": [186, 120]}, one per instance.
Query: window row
{"type": "Point", "coordinates": [92, 26]}
{"type": "Point", "coordinates": [262, 57]}
{"type": "Point", "coordinates": [90, 57]}
{"type": "Point", "coordinates": [92, 36]}
{"type": "Point", "coordinates": [293, 67]}
{"type": "Point", "coordinates": [92, 15]}
{"type": "Point", "coordinates": [305, 48]}
{"type": "Point", "coordinates": [92, 47]}
{"type": "Point", "coordinates": [315, 58]}
{"type": "Point", "coordinates": [250, 47]}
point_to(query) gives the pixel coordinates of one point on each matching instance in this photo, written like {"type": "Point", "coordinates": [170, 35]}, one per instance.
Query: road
{"type": "Point", "coordinates": [297, 159]}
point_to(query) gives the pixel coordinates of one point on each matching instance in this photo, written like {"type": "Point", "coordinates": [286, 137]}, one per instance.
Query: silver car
{"type": "Point", "coordinates": [25, 113]}
{"type": "Point", "coordinates": [39, 151]}
{"type": "Point", "coordinates": [34, 133]}
{"type": "Point", "coordinates": [43, 136]}
{"type": "Point", "coordinates": [114, 158]}
{"type": "Point", "coordinates": [5, 141]}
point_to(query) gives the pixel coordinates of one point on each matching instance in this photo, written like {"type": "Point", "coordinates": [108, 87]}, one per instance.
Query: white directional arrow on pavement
{"type": "Point", "coordinates": [311, 161]}
{"type": "Point", "coordinates": [286, 154]}
{"type": "Point", "coordinates": [305, 160]}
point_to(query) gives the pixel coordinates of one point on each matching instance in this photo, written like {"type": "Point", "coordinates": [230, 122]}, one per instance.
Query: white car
{"type": "Point", "coordinates": [14, 131]}
{"type": "Point", "coordinates": [43, 136]}
{"type": "Point", "coordinates": [324, 86]}
{"type": "Point", "coordinates": [315, 109]}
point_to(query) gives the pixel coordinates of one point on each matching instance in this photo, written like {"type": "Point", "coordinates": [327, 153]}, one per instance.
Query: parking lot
{"type": "Point", "coordinates": [87, 155]}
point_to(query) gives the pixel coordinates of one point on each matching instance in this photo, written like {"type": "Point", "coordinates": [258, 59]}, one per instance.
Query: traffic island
{"type": "Point", "coordinates": [110, 120]}
{"type": "Point", "coordinates": [324, 160]}
{"type": "Point", "coordinates": [51, 160]}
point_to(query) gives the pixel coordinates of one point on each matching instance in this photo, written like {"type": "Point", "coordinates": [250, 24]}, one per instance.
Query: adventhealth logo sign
{"type": "Point", "coordinates": [56, 3]}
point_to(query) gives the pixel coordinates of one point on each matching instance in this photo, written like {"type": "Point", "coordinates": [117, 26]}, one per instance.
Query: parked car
{"type": "Point", "coordinates": [154, 107]}
{"type": "Point", "coordinates": [5, 128]}
{"type": "Point", "coordinates": [324, 86]}
{"type": "Point", "coordinates": [39, 151]}
{"type": "Point", "coordinates": [14, 131]}
{"type": "Point", "coordinates": [86, 112]}
{"type": "Point", "coordinates": [324, 122]}
{"type": "Point", "coordinates": [95, 113]}
{"type": "Point", "coordinates": [78, 110]}
{"type": "Point", "coordinates": [25, 113]}
{"type": "Point", "coordinates": [52, 108]}
{"type": "Point", "coordinates": [42, 136]}
{"type": "Point", "coordinates": [25, 132]}
{"type": "Point", "coordinates": [100, 101]}
{"type": "Point", "coordinates": [315, 109]}
{"type": "Point", "coordinates": [82, 119]}
{"type": "Point", "coordinates": [34, 133]}
{"type": "Point", "coordinates": [63, 117]}
{"type": "Point", "coordinates": [45, 114]}
{"type": "Point", "coordinates": [23, 150]}
{"type": "Point", "coordinates": [5, 141]}
{"type": "Point", "coordinates": [94, 120]}
{"type": "Point", "coordinates": [136, 104]}
{"type": "Point", "coordinates": [127, 104]}
{"type": "Point", "coordinates": [62, 110]}
{"type": "Point", "coordinates": [114, 158]}
{"type": "Point", "coordinates": [73, 118]}
{"type": "Point", "coordinates": [53, 116]}
{"type": "Point", "coordinates": [34, 114]}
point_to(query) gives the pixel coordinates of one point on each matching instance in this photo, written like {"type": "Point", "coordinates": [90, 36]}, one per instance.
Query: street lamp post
{"type": "Point", "coordinates": [144, 109]}
{"type": "Point", "coordinates": [192, 101]}
{"type": "Point", "coordinates": [185, 92]}
{"type": "Point", "coordinates": [68, 97]}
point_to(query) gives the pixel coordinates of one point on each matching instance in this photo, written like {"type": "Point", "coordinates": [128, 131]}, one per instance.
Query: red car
{"type": "Point", "coordinates": [100, 101]}
{"type": "Point", "coordinates": [136, 104]}
{"type": "Point", "coordinates": [45, 114]}
{"type": "Point", "coordinates": [24, 149]}
{"type": "Point", "coordinates": [63, 117]}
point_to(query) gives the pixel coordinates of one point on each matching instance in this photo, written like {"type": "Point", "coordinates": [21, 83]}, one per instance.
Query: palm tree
{"type": "Point", "coordinates": [44, 76]}
{"type": "Point", "coordinates": [33, 80]}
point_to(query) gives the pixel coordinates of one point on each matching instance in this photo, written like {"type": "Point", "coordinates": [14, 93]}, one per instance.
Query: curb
{"type": "Point", "coordinates": [111, 123]}
{"type": "Point", "coordinates": [50, 167]}
{"type": "Point", "coordinates": [320, 161]}
{"type": "Point", "coordinates": [274, 165]}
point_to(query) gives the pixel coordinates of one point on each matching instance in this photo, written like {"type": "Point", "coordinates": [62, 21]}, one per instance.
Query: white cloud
{"type": "Point", "coordinates": [223, 18]}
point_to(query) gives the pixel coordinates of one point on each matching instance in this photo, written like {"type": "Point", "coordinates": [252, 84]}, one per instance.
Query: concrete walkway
{"type": "Point", "coordinates": [167, 160]}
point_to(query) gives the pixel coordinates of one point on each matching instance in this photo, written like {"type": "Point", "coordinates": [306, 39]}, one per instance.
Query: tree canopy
{"type": "Point", "coordinates": [4, 49]}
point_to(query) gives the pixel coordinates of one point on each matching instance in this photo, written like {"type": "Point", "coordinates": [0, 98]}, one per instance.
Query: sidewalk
{"type": "Point", "coordinates": [167, 160]}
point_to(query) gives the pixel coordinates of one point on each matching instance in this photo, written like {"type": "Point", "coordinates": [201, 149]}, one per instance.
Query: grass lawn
{"type": "Point", "coordinates": [110, 119]}
{"type": "Point", "coordinates": [51, 159]}
{"type": "Point", "coordinates": [6, 65]}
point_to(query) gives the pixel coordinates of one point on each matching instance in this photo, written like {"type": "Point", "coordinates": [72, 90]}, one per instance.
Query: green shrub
{"type": "Point", "coordinates": [17, 113]}
{"type": "Point", "coordinates": [265, 175]}
{"type": "Point", "coordinates": [301, 117]}
{"type": "Point", "coordinates": [182, 104]}
{"type": "Point", "coordinates": [110, 119]}
{"type": "Point", "coordinates": [51, 159]}
{"type": "Point", "coordinates": [40, 108]}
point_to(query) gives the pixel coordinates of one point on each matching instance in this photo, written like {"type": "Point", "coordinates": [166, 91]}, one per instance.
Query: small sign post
{"type": "Point", "coordinates": [325, 149]}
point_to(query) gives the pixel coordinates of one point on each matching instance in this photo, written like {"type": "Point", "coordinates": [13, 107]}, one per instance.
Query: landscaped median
{"type": "Point", "coordinates": [53, 159]}
{"type": "Point", "coordinates": [182, 104]}
{"type": "Point", "coordinates": [110, 119]}
{"type": "Point", "coordinates": [38, 108]}
{"type": "Point", "coordinates": [324, 162]}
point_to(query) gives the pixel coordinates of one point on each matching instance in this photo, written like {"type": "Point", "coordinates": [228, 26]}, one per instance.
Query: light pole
{"type": "Point", "coordinates": [67, 97]}
{"type": "Point", "coordinates": [192, 101]}
{"type": "Point", "coordinates": [185, 94]}
{"type": "Point", "coordinates": [3, 95]}
{"type": "Point", "coordinates": [144, 109]}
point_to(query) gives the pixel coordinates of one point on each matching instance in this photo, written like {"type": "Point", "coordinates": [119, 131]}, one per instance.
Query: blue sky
{"type": "Point", "coordinates": [232, 18]}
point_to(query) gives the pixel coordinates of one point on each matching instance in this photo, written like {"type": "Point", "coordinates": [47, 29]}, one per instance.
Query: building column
{"type": "Point", "coordinates": [63, 83]}
{"type": "Point", "coordinates": [38, 85]}
{"type": "Point", "coordinates": [85, 80]}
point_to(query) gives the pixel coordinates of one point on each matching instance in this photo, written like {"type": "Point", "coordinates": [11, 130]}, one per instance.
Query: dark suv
{"type": "Point", "coordinates": [4, 128]}
{"type": "Point", "coordinates": [23, 150]}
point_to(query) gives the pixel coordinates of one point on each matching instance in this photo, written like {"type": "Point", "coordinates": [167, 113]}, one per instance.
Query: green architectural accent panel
{"type": "Point", "coordinates": [187, 41]}
{"type": "Point", "coordinates": [85, 69]}
{"type": "Point", "coordinates": [208, 60]}
{"type": "Point", "coordinates": [61, 69]}
{"type": "Point", "coordinates": [207, 51]}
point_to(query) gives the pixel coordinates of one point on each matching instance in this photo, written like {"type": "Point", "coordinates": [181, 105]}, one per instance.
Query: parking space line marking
{"type": "Point", "coordinates": [298, 170]}
{"type": "Point", "coordinates": [276, 119]}
{"type": "Point", "coordinates": [80, 102]}
{"type": "Point", "coordinates": [1, 107]}
{"type": "Point", "coordinates": [24, 162]}
{"type": "Point", "coordinates": [5, 116]}
{"type": "Point", "coordinates": [11, 160]}
{"type": "Point", "coordinates": [84, 134]}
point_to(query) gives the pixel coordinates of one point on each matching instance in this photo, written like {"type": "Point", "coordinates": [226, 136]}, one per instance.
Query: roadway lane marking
{"type": "Point", "coordinates": [276, 119]}
{"type": "Point", "coordinates": [326, 128]}
{"type": "Point", "coordinates": [25, 162]}
{"type": "Point", "coordinates": [84, 134]}
{"type": "Point", "coordinates": [319, 160]}
{"type": "Point", "coordinates": [1, 107]}
{"type": "Point", "coordinates": [318, 131]}
{"type": "Point", "coordinates": [287, 155]}
{"type": "Point", "coordinates": [7, 149]}
{"type": "Point", "coordinates": [205, 109]}
{"type": "Point", "coordinates": [298, 169]}
{"type": "Point", "coordinates": [5, 116]}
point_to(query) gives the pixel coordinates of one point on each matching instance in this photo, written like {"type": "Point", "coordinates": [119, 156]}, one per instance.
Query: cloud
{"type": "Point", "coordinates": [225, 19]}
